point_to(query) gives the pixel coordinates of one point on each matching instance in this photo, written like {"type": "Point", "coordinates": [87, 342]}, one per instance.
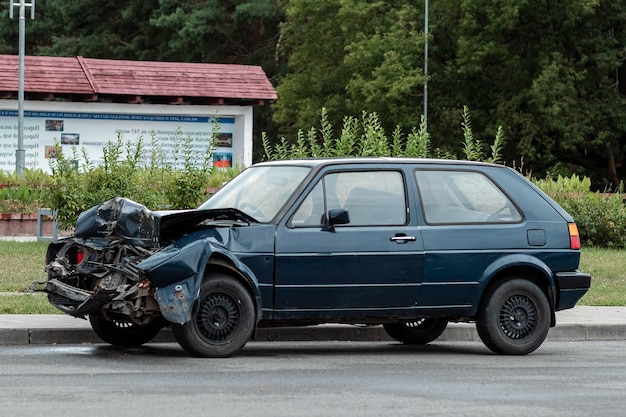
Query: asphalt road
{"type": "Point", "coordinates": [314, 379]}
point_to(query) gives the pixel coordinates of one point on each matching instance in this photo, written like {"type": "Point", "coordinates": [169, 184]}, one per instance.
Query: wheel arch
{"type": "Point", "coordinates": [530, 269]}
{"type": "Point", "coordinates": [220, 262]}
{"type": "Point", "coordinates": [178, 273]}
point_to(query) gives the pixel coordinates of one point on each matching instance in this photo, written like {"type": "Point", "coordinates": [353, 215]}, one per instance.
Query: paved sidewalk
{"type": "Point", "coordinates": [581, 323]}
{"type": "Point", "coordinates": [26, 238]}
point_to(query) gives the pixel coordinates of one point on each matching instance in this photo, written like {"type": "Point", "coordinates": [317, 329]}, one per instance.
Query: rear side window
{"type": "Point", "coordinates": [458, 197]}
{"type": "Point", "coordinates": [372, 198]}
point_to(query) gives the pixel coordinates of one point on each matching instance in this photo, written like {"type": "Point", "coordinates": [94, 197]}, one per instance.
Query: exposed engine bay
{"type": "Point", "coordinates": [100, 275]}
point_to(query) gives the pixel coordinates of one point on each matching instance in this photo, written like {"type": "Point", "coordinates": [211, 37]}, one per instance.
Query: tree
{"type": "Point", "coordinates": [552, 74]}
{"type": "Point", "coordinates": [97, 29]}
{"type": "Point", "coordinates": [549, 72]}
{"type": "Point", "coordinates": [367, 57]}
{"type": "Point", "coordinates": [385, 61]}
{"type": "Point", "coordinates": [314, 46]}
{"type": "Point", "coordinates": [225, 31]}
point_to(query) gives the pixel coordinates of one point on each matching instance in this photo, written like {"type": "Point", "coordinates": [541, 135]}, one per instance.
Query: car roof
{"type": "Point", "coordinates": [319, 162]}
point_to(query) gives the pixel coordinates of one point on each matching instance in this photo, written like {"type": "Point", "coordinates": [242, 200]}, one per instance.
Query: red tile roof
{"type": "Point", "coordinates": [88, 79]}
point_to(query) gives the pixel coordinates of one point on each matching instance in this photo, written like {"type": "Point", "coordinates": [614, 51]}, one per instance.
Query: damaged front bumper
{"type": "Point", "coordinates": [80, 302]}
{"type": "Point", "coordinates": [116, 278]}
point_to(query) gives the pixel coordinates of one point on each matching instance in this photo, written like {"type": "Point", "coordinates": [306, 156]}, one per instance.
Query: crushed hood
{"type": "Point", "coordinates": [136, 224]}
{"type": "Point", "coordinates": [120, 217]}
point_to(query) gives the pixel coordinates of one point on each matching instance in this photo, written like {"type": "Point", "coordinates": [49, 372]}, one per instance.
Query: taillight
{"type": "Point", "coordinates": [574, 237]}
{"type": "Point", "coordinates": [79, 257]}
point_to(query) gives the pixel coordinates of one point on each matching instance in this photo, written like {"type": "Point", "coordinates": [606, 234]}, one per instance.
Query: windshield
{"type": "Point", "coordinates": [259, 191]}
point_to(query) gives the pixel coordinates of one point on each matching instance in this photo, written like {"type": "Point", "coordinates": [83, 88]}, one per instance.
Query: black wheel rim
{"type": "Point", "coordinates": [122, 324]}
{"type": "Point", "coordinates": [416, 324]}
{"type": "Point", "coordinates": [218, 317]}
{"type": "Point", "coordinates": [518, 317]}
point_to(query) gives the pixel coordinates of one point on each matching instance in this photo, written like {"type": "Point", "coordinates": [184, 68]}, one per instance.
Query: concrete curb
{"type": "Point", "coordinates": [454, 332]}
{"type": "Point", "coordinates": [582, 323]}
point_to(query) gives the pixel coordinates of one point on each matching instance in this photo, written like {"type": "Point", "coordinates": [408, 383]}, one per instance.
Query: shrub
{"type": "Point", "coordinates": [23, 194]}
{"type": "Point", "coordinates": [128, 171]}
{"type": "Point", "coordinates": [601, 217]}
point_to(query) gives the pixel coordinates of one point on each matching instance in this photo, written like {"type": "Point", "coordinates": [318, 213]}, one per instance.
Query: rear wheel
{"type": "Point", "coordinates": [123, 332]}
{"type": "Point", "coordinates": [224, 321]}
{"type": "Point", "coordinates": [514, 318]}
{"type": "Point", "coordinates": [416, 332]}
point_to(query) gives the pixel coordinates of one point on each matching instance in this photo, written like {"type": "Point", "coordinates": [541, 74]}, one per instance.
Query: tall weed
{"type": "Point", "coordinates": [366, 137]}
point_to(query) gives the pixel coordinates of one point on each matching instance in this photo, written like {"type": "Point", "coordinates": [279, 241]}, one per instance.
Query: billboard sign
{"type": "Point", "coordinates": [89, 133]}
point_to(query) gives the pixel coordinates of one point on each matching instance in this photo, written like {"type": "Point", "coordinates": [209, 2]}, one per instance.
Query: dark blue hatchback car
{"type": "Point", "coordinates": [409, 244]}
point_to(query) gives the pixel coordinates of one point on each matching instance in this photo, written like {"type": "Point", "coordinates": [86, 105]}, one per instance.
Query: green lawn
{"type": "Point", "coordinates": [22, 263]}
{"type": "Point", "coordinates": [608, 276]}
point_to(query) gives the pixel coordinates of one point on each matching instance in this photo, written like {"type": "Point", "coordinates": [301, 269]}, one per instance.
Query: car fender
{"type": "Point", "coordinates": [177, 273]}
{"type": "Point", "coordinates": [515, 261]}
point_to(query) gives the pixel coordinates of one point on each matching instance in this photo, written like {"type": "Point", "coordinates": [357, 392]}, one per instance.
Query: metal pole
{"type": "Point", "coordinates": [426, 64]}
{"type": "Point", "coordinates": [20, 152]}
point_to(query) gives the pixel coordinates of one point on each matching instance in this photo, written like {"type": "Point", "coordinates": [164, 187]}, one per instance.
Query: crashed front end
{"type": "Point", "coordinates": [118, 265]}
{"type": "Point", "coordinates": [90, 275]}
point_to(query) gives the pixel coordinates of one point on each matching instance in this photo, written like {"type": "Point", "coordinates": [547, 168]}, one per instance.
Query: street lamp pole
{"type": "Point", "coordinates": [20, 153]}
{"type": "Point", "coordinates": [425, 63]}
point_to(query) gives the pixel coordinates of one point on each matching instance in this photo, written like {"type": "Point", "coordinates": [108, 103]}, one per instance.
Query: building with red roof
{"type": "Point", "coordinates": [87, 102]}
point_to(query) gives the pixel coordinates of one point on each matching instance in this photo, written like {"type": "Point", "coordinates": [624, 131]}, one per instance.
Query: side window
{"type": "Point", "coordinates": [311, 211]}
{"type": "Point", "coordinates": [371, 198]}
{"type": "Point", "coordinates": [453, 197]}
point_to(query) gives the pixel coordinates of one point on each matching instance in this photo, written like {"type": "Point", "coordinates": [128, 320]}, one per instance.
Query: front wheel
{"type": "Point", "coordinates": [416, 332]}
{"type": "Point", "coordinates": [514, 319]}
{"type": "Point", "coordinates": [224, 321]}
{"type": "Point", "coordinates": [123, 332]}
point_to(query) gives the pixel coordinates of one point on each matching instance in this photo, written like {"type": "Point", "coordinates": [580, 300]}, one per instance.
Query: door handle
{"type": "Point", "coordinates": [402, 238]}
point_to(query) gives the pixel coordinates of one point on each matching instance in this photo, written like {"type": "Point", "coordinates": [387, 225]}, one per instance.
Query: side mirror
{"type": "Point", "coordinates": [336, 216]}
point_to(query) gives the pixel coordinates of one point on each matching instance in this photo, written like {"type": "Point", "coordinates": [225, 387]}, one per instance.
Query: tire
{"type": "Point", "coordinates": [224, 321]}
{"type": "Point", "coordinates": [416, 332]}
{"type": "Point", "coordinates": [123, 332]}
{"type": "Point", "coordinates": [514, 318]}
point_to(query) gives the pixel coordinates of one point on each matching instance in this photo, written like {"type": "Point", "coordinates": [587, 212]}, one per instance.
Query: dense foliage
{"type": "Point", "coordinates": [551, 73]}
{"type": "Point", "coordinates": [23, 194]}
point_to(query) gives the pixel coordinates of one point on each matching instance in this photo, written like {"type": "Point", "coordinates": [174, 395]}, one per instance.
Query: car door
{"type": "Point", "coordinates": [365, 267]}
